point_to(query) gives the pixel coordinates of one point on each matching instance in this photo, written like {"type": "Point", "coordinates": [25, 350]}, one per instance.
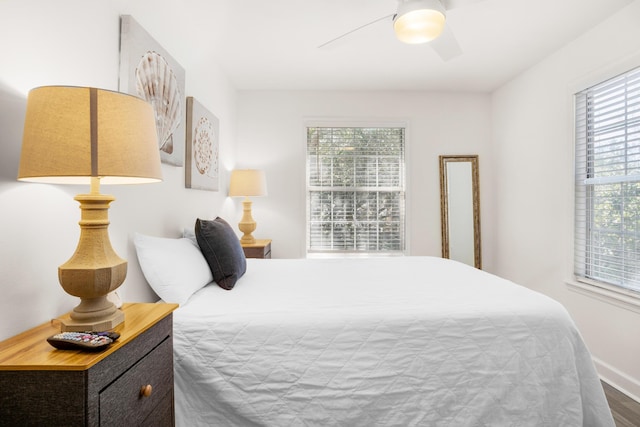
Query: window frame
{"type": "Point", "coordinates": [616, 294]}
{"type": "Point", "coordinates": [342, 123]}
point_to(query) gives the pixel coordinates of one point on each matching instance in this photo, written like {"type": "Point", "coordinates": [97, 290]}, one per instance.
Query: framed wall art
{"type": "Point", "coordinates": [148, 71]}
{"type": "Point", "coordinates": [201, 162]}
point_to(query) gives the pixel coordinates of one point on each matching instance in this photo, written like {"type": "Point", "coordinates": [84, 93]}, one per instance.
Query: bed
{"type": "Point", "coordinates": [397, 341]}
{"type": "Point", "coordinates": [401, 341]}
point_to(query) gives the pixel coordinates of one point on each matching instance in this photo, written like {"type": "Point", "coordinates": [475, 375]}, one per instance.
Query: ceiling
{"type": "Point", "coordinates": [273, 44]}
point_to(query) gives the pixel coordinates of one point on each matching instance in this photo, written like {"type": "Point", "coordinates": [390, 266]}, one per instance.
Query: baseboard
{"type": "Point", "coordinates": [618, 380]}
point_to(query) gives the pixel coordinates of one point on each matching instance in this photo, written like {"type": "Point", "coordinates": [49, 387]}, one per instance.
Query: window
{"type": "Point", "coordinates": [607, 234]}
{"type": "Point", "coordinates": [355, 190]}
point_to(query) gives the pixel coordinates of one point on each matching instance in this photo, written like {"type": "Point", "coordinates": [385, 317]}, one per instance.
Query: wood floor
{"type": "Point", "coordinates": [626, 411]}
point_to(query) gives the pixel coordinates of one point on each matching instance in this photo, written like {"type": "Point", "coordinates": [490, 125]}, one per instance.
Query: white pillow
{"type": "Point", "coordinates": [175, 268]}
{"type": "Point", "coordinates": [190, 233]}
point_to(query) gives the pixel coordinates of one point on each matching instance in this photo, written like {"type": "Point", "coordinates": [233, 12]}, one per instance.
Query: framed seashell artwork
{"type": "Point", "coordinates": [149, 72]}
{"type": "Point", "coordinates": [201, 160]}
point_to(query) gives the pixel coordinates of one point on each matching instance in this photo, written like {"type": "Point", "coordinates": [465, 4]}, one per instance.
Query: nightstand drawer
{"type": "Point", "coordinates": [122, 403]}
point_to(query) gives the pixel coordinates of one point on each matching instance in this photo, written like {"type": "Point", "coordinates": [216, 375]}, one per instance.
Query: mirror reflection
{"type": "Point", "coordinates": [460, 209]}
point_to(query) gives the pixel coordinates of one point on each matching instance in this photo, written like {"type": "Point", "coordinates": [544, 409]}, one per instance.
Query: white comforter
{"type": "Point", "coordinates": [407, 341]}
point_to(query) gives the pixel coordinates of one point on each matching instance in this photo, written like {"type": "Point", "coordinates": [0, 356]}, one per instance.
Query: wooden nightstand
{"type": "Point", "coordinates": [40, 385]}
{"type": "Point", "coordinates": [259, 249]}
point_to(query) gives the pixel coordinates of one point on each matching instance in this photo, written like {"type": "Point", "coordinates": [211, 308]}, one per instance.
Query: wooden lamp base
{"type": "Point", "coordinates": [247, 224]}
{"type": "Point", "coordinates": [94, 270]}
{"type": "Point", "coordinates": [103, 323]}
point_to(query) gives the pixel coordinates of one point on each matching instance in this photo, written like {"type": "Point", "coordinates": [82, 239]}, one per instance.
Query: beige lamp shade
{"type": "Point", "coordinates": [58, 145]}
{"type": "Point", "coordinates": [419, 21]}
{"type": "Point", "coordinates": [247, 182]}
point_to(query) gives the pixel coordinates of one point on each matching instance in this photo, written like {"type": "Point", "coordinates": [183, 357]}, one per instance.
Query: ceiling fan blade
{"type": "Point", "coordinates": [355, 29]}
{"type": "Point", "coordinates": [452, 4]}
{"type": "Point", "coordinates": [446, 45]}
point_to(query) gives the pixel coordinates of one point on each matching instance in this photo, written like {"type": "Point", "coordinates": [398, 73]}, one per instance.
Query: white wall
{"type": "Point", "coordinates": [533, 187]}
{"type": "Point", "coordinates": [271, 135]}
{"type": "Point", "coordinates": [76, 42]}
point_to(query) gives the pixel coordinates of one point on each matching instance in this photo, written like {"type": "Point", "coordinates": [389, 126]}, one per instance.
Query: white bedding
{"type": "Point", "coordinates": [406, 341]}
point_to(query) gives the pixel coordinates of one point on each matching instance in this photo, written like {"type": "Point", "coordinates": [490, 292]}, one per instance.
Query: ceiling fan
{"type": "Point", "coordinates": [421, 21]}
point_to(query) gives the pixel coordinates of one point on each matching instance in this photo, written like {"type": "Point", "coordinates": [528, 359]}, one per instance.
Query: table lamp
{"type": "Point", "coordinates": [246, 183]}
{"type": "Point", "coordinates": [81, 135]}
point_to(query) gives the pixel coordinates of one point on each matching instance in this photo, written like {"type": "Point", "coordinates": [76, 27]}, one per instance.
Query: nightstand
{"type": "Point", "coordinates": [259, 249]}
{"type": "Point", "coordinates": [129, 383]}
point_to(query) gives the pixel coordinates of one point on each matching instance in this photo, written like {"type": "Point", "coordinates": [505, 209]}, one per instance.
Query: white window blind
{"type": "Point", "coordinates": [355, 190]}
{"type": "Point", "coordinates": [607, 212]}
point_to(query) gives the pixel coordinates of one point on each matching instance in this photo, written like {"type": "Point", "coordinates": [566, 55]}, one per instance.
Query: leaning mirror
{"type": "Point", "coordinates": [460, 209]}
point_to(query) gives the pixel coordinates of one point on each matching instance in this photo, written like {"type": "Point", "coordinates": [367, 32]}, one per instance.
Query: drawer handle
{"type": "Point", "coordinates": [146, 390]}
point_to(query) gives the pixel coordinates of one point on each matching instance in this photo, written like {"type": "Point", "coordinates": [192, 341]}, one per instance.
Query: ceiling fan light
{"type": "Point", "coordinates": [419, 21]}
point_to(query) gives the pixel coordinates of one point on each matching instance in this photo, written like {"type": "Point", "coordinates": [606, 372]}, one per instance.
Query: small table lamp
{"type": "Point", "coordinates": [246, 183]}
{"type": "Point", "coordinates": [81, 135]}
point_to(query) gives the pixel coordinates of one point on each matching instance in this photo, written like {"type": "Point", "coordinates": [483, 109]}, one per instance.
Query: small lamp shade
{"type": "Point", "coordinates": [58, 145]}
{"type": "Point", "coordinates": [247, 182]}
{"type": "Point", "coordinates": [419, 21]}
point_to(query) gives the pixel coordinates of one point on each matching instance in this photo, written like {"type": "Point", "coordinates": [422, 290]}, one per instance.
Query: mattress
{"type": "Point", "coordinates": [402, 341]}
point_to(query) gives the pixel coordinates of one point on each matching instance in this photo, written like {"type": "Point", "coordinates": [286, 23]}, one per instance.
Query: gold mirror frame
{"type": "Point", "coordinates": [445, 202]}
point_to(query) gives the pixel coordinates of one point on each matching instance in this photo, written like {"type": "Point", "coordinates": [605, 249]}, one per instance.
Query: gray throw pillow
{"type": "Point", "coordinates": [222, 250]}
